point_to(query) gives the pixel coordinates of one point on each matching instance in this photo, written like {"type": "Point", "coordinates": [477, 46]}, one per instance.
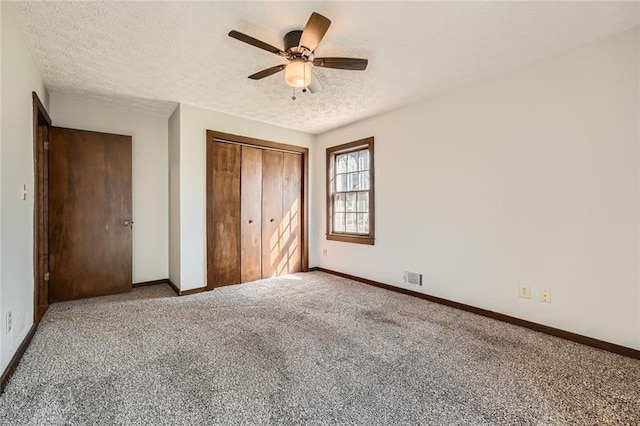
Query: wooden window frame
{"type": "Point", "coordinates": [358, 145]}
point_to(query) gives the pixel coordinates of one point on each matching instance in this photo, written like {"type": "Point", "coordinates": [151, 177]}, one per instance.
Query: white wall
{"type": "Point", "coordinates": [150, 174]}
{"type": "Point", "coordinates": [174, 197]}
{"type": "Point", "coordinates": [194, 122]}
{"type": "Point", "coordinates": [19, 78]}
{"type": "Point", "coordinates": [531, 177]}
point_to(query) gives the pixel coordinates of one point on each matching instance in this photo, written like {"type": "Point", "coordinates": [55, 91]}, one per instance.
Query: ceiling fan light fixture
{"type": "Point", "coordinates": [298, 73]}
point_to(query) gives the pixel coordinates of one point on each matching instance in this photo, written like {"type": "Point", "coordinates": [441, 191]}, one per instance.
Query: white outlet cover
{"type": "Point", "coordinates": [9, 322]}
{"type": "Point", "coordinates": [524, 291]}
{"type": "Point", "coordinates": [545, 295]}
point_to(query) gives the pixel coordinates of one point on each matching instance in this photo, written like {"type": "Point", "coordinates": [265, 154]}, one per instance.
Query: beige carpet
{"type": "Point", "coordinates": [306, 349]}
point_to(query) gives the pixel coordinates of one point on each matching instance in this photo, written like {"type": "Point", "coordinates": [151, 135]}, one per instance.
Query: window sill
{"type": "Point", "coordinates": [356, 239]}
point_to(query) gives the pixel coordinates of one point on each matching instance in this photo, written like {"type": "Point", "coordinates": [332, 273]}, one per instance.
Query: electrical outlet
{"type": "Point", "coordinates": [9, 322]}
{"type": "Point", "coordinates": [545, 295]}
{"type": "Point", "coordinates": [324, 251]}
{"type": "Point", "coordinates": [412, 278]}
{"type": "Point", "coordinates": [525, 291]}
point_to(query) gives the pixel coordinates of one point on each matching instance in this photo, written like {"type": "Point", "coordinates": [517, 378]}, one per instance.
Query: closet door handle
{"type": "Point", "coordinates": [250, 221]}
{"type": "Point", "coordinates": [271, 220]}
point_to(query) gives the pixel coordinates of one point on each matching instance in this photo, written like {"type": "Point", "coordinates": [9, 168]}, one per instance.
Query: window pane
{"type": "Point", "coordinates": [363, 201]}
{"type": "Point", "coordinates": [341, 163]}
{"type": "Point", "coordinates": [341, 182]}
{"type": "Point", "coordinates": [338, 222]}
{"type": "Point", "coordinates": [339, 202]}
{"type": "Point", "coordinates": [351, 201]}
{"type": "Point", "coordinates": [352, 181]}
{"type": "Point", "coordinates": [351, 222]}
{"type": "Point", "coordinates": [363, 160]}
{"type": "Point", "coordinates": [352, 162]}
{"type": "Point", "coordinates": [363, 180]}
{"type": "Point", "coordinates": [363, 223]}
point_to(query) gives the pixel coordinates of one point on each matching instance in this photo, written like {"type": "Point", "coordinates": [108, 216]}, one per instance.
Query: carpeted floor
{"type": "Point", "coordinates": [306, 349]}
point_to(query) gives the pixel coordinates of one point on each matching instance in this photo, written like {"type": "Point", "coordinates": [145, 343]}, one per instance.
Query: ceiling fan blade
{"type": "Point", "coordinates": [255, 42]}
{"type": "Point", "coordinates": [266, 73]}
{"type": "Point", "coordinates": [315, 85]}
{"type": "Point", "coordinates": [316, 28]}
{"type": "Point", "coordinates": [342, 63]}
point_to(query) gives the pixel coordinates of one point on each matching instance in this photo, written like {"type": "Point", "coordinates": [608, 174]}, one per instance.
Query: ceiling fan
{"type": "Point", "coordinates": [298, 50]}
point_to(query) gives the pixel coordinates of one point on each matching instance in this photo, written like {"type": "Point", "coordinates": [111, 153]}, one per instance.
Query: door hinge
{"type": "Point", "coordinates": [46, 276]}
{"type": "Point", "coordinates": [46, 144]}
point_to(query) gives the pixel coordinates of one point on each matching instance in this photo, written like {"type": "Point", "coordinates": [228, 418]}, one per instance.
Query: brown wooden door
{"type": "Point", "coordinates": [223, 187]}
{"type": "Point", "coordinates": [89, 213]}
{"type": "Point", "coordinates": [291, 214]}
{"type": "Point", "coordinates": [272, 186]}
{"type": "Point", "coordinates": [251, 214]}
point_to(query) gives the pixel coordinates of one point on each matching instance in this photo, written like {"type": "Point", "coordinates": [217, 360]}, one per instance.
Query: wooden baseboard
{"type": "Point", "coordinates": [578, 338]}
{"type": "Point", "coordinates": [40, 311]}
{"type": "Point", "coordinates": [185, 292]}
{"type": "Point", "coordinates": [174, 287]}
{"type": "Point", "coordinates": [148, 283]}
{"type": "Point", "coordinates": [15, 360]}
{"type": "Point", "coordinates": [192, 291]}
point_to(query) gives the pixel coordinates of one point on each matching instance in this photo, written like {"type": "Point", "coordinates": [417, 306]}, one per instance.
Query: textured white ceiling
{"type": "Point", "coordinates": [151, 55]}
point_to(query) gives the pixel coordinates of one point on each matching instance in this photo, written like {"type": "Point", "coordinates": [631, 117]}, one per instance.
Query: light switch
{"type": "Point", "coordinates": [24, 192]}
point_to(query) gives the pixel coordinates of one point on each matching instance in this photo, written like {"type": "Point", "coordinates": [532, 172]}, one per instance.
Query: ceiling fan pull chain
{"type": "Point", "coordinates": [293, 98]}
{"type": "Point", "coordinates": [304, 76]}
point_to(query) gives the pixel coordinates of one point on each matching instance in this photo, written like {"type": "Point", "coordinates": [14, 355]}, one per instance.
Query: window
{"type": "Point", "coordinates": [350, 192]}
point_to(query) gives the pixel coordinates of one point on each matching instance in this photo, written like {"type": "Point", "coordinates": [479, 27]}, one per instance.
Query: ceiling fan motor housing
{"type": "Point", "coordinates": [292, 40]}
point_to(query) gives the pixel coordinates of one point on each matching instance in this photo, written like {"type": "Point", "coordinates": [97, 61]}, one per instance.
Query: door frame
{"type": "Point", "coordinates": [264, 144]}
{"type": "Point", "coordinates": [40, 209]}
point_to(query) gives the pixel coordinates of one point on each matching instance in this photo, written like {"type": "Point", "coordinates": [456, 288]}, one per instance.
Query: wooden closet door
{"type": "Point", "coordinates": [291, 214]}
{"type": "Point", "coordinates": [272, 187]}
{"type": "Point", "coordinates": [223, 186]}
{"type": "Point", "coordinates": [251, 214]}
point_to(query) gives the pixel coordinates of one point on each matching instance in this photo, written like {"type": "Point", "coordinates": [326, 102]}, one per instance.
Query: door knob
{"type": "Point", "coordinates": [127, 222]}
{"type": "Point", "coordinates": [272, 220]}
{"type": "Point", "coordinates": [250, 221]}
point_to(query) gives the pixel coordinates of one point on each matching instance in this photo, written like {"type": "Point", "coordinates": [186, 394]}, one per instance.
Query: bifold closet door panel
{"type": "Point", "coordinates": [272, 185]}
{"type": "Point", "coordinates": [291, 216]}
{"type": "Point", "coordinates": [224, 186]}
{"type": "Point", "coordinates": [251, 214]}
